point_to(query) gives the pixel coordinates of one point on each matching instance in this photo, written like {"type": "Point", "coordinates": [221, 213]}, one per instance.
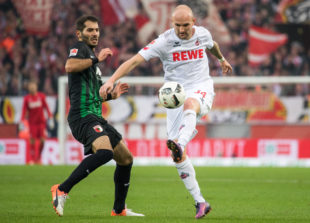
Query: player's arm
{"type": "Point", "coordinates": [50, 122]}
{"type": "Point", "coordinates": [25, 110]}
{"type": "Point", "coordinates": [45, 106]}
{"type": "Point", "coordinates": [124, 69]}
{"type": "Point", "coordinates": [74, 65]}
{"type": "Point", "coordinates": [23, 118]}
{"type": "Point", "coordinates": [215, 50]}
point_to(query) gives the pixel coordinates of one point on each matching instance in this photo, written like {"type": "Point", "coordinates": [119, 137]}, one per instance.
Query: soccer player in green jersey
{"type": "Point", "coordinates": [101, 141]}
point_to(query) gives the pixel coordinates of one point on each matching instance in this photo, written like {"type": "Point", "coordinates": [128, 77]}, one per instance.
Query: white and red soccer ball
{"type": "Point", "coordinates": [171, 95]}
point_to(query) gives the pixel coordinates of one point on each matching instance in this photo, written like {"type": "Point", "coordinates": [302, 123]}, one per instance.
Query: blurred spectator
{"type": "Point", "coordinates": [24, 56]}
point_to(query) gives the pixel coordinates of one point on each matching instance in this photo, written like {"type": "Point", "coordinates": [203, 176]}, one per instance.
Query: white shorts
{"type": "Point", "coordinates": [204, 93]}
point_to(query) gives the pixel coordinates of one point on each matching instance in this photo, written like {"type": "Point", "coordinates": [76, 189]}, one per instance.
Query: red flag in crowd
{"type": "Point", "coordinates": [262, 43]}
{"type": "Point", "coordinates": [111, 12]}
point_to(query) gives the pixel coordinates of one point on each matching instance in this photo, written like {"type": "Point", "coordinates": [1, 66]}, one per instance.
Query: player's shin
{"type": "Point", "coordinates": [187, 173]}
{"type": "Point", "coordinates": [88, 165]}
{"type": "Point", "coordinates": [187, 128]}
{"type": "Point", "coordinates": [121, 180]}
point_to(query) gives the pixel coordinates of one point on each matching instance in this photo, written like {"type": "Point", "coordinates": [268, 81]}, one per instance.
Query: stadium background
{"type": "Point", "coordinates": [249, 125]}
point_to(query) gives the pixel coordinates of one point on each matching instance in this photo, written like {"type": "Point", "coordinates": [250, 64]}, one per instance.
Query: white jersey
{"type": "Point", "coordinates": [184, 61]}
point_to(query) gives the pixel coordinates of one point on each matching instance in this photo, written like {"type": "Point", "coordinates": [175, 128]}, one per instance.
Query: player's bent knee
{"type": "Point", "coordinates": [191, 103]}
{"type": "Point", "coordinates": [124, 160]}
{"type": "Point", "coordinates": [122, 155]}
{"type": "Point", "coordinates": [129, 159]}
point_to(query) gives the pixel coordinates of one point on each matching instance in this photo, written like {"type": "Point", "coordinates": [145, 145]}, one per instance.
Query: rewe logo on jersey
{"type": "Point", "coordinates": [187, 55]}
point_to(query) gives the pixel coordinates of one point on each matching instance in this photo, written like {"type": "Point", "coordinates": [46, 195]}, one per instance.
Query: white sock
{"type": "Point", "coordinates": [188, 175]}
{"type": "Point", "coordinates": [188, 129]}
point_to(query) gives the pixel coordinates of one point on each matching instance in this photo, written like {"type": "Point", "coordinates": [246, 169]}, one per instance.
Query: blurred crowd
{"type": "Point", "coordinates": [24, 56]}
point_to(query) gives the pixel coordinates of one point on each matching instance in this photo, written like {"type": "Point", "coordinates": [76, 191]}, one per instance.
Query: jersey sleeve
{"type": "Point", "coordinates": [209, 40]}
{"type": "Point", "coordinates": [153, 49]}
{"type": "Point", "coordinates": [78, 51]}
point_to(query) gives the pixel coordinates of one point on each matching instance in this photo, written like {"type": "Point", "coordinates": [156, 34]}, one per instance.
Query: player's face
{"type": "Point", "coordinates": [183, 26]}
{"type": "Point", "coordinates": [90, 34]}
{"type": "Point", "coordinates": [32, 87]}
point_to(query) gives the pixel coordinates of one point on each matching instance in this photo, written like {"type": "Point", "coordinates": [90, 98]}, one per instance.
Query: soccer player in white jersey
{"type": "Point", "coordinates": [182, 51]}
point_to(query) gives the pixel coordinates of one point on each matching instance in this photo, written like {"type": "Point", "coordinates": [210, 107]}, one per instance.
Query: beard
{"type": "Point", "coordinates": [87, 40]}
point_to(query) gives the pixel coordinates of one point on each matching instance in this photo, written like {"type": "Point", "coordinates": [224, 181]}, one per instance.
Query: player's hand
{"type": "Point", "coordinates": [104, 53]}
{"type": "Point", "coordinates": [119, 89]}
{"type": "Point", "coordinates": [106, 88]}
{"type": "Point", "coordinates": [51, 123]}
{"type": "Point", "coordinates": [226, 67]}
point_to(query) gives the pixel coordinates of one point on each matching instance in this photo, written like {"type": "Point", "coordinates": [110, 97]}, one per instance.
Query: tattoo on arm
{"type": "Point", "coordinates": [215, 50]}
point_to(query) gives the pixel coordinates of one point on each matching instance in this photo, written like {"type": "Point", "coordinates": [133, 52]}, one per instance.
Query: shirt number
{"type": "Point", "coordinates": [203, 93]}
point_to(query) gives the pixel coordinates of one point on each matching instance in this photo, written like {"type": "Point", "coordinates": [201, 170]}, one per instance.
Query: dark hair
{"type": "Point", "coordinates": [80, 22]}
{"type": "Point", "coordinates": [32, 81]}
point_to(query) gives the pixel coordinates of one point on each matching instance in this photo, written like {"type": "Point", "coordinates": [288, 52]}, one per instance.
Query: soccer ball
{"type": "Point", "coordinates": [171, 95]}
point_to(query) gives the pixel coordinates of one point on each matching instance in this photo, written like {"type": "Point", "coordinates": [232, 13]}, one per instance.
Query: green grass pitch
{"type": "Point", "coordinates": [236, 194]}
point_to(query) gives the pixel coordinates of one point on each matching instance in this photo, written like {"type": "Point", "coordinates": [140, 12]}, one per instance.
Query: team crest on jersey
{"type": "Point", "coordinates": [197, 43]}
{"type": "Point", "coordinates": [73, 52]}
{"type": "Point", "coordinates": [98, 128]}
{"type": "Point", "coordinates": [181, 127]}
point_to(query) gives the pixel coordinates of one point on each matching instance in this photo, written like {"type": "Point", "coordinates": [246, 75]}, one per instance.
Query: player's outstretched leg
{"type": "Point", "coordinates": [88, 165]}
{"type": "Point", "coordinates": [184, 166]}
{"type": "Point", "coordinates": [188, 175]}
{"type": "Point", "coordinates": [59, 199]}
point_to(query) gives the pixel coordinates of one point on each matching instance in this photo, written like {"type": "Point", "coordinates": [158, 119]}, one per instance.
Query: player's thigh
{"type": "Point", "coordinates": [33, 130]}
{"type": "Point", "coordinates": [102, 142]}
{"type": "Point", "coordinates": [122, 155]}
{"type": "Point", "coordinates": [91, 133]}
{"type": "Point", "coordinates": [110, 140]}
{"type": "Point", "coordinates": [204, 95]}
{"type": "Point", "coordinates": [192, 104]}
{"type": "Point", "coordinates": [41, 134]}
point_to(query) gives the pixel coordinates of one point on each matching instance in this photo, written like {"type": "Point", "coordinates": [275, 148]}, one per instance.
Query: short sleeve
{"type": "Point", "coordinates": [209, 40]}
{"type": "Point", "coordinates": [78, 51]}
{"type": "Point", "coordinates": [153, 49]}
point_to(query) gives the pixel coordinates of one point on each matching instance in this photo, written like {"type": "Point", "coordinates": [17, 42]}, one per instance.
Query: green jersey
{"type": "Point", "coordinates": [84, 86]}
